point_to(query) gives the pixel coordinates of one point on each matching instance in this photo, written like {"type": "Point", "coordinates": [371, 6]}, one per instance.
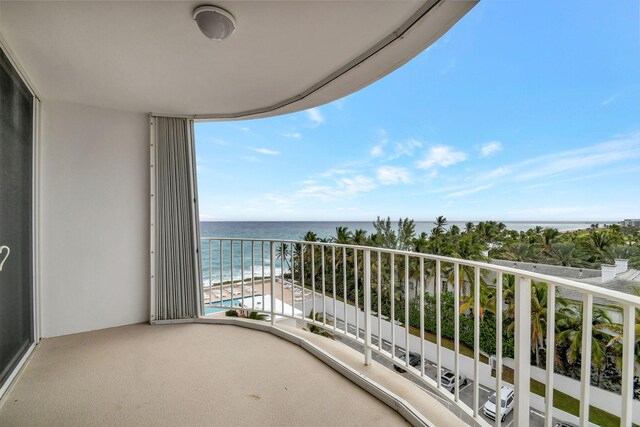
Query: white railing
{"type": "Point", "coordinates": [292, 279]}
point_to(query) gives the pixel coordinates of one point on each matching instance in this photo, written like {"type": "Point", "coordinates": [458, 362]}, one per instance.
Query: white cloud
{"type": "Point", "coordinates": [276, 199]}
{"type": "Point", "coordinates": [406, 148]}
{"type": "Point", "coordinates": [266, 151]}
{"type": "Point", "coordinates": [332, 172]}
{"type": "Point", "coordinates": [390, 175]}
{"type": "Point", "coordinates": [341, 188]}
{"type": "Point", "coordinates": [315, 116]}
{"type": "Point", "coordinates": [441, 155]}
{"type": "Point", "coordinates": [497, 173]}
{"type": "Point", "coordinates": [490, 148]}
{"type": "Point", "coordinates": [293, 135]}
{"type": "Point", "coordinates": [377, 151]}
{"type": "Point", "coordinates": [469, 191]}
{"type": "Point", "coordinates": [588, 158]}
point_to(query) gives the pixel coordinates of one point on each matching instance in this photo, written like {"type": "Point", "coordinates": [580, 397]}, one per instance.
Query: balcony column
{"type": "Point", "coordinates": [522, 352]}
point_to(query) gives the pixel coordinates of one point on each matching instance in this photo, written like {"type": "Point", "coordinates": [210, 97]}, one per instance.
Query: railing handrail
{"type": "Point", "coordinates": [610, 294]}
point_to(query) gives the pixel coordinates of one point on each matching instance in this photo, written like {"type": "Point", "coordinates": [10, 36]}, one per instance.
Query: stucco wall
{"type": "Point", "coordinates": [94, 218]}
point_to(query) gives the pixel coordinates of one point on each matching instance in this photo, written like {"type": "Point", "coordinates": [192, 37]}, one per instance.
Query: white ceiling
{"type": "Point", "coordinates": [151, 57]}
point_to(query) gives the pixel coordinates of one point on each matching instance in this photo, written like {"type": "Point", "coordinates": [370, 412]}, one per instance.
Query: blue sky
{"type": "Point", "coordinates": [523, 111]}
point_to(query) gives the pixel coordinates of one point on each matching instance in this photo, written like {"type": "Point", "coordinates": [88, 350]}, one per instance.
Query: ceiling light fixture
{"type": "Point", "coordinates": [215, 23]}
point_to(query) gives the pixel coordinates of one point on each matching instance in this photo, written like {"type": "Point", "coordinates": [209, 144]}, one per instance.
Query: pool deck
{"type": "Point", "coordinates": [284, 291]}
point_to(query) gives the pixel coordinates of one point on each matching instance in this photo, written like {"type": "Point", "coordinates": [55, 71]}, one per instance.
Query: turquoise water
{"type": "Point", "coordinates": [295, 230]}
{"type": "Point", "coordinates": [226, 303]}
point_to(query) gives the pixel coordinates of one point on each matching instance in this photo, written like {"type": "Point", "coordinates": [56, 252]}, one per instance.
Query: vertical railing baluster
{"type": "Point", "coordinates": [522, 369]}
{"type": "Point", "coordinates": [406, 309]}
{"type": "Point", "coordinates": [550, 348]}
{"type": "Point", "coordinates": [498, 421]}
{"type": "Point", "coordinates": [393, 307]}
{"type": "Point", "coordinates": [293, 280]}
{"type": "Point", "coordinates": [221, 275]}
{"type": "Point", "coordinates": [476, 342]}
{"type": "Point", "coordinates": [210, 274]}
{"type": "Point", "coordinates": [253, 276]}
{"type": "Point", "coordinates": [313, 282]}
{"type": "Point", "coordinates": [379, 301]}
{"type": "Point", "coordinates": [437, 285]}
{"type": "Point", "coordinates": [282, 249]}
{"type": "Point", "coordinates": [302, 257]}
{"type": "Point", "coordinates": [422, 343]}
{"type": "Point", "coordinates": [456, 328]}
{"type": "Point", "coordinates": [344, 288]}
{"type": "Point", "coordinates": [367, 306]}
{"type": "Point", "coordinates": [242, 272]}
{"type": "Point", "coordinates": [355, 281]}
{"type": "Point", "coordinates": [585, 357]}
{"type": "Point", "coordinates": [628, 362]}
{"type": "Point", "coordinates": [272, 257]}
{"type": "Point", "coordinates": [263, 278]}
{"type": "Point", "coordinates": [231, 304]}
{"type": "Point", "coordinates": [324, 308]}
{"type": "Point", "coordinates": [333, 281]}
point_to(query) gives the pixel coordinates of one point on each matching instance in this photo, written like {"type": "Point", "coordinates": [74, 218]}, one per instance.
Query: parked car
{"type": "Point", "coordinates": [414, 360]}
{"type": "Point", "coordinates": [447, 379]}
{"type": "Point", "coordinates": [564, 424]}
{"type": "Point", "coordinates": [507, 398]}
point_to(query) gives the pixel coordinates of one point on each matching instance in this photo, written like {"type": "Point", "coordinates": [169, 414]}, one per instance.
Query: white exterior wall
{"type": "Point", "coordinates": [94, 218]}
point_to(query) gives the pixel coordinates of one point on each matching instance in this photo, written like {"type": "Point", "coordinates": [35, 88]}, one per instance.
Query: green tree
{"type": "Point", "coordinates": [570, 324]}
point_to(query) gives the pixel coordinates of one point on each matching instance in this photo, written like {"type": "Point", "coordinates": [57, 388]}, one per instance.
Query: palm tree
{"type": "Point", "coordinates": [487, 301]}
{"type": "Point", "coordinates": [564, 254]}
{"type": "Point", "coordinates": [549, 235]}
{"type": "Point", "coordinates": [538, 317]}
{"type": "Point", "coordinates": [283, 254]}
{"type": "Point", "coordinates": [519, 251]}
{"type": "Point", "coordinates": [616, 340]}
{"type": "Point", "coordinates": [469, 227]}
{"type": "Point", "coordinates": [570, 323]}
{"type": "Point", "coordinates": [310, 236]}
{"type": "Point", "coordinates": [440, 223]}
{"type": "Point", "coordinates": [360, 237]}
{"type": "Point", "coordinates": [600, 240]}
{"type": "Point", "coordinates": [343, 235]}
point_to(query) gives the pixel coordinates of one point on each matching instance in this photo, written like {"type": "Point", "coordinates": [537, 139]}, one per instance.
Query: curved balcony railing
{"type": "Point", "coordinates": [370, 295]}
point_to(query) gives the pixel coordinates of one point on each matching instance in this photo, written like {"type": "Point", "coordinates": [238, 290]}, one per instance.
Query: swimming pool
{"type": "Point", "coordinates": [227, 303]}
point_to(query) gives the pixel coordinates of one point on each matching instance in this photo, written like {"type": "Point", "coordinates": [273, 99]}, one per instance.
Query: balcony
{"type": "Point", "coordinates": [81, 279]}
{"type": "Point", "coordinates": [353, 292]}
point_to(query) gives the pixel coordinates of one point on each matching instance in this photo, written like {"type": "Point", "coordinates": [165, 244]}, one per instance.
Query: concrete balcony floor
{"type": "Point", "coordinates": [188, 374]}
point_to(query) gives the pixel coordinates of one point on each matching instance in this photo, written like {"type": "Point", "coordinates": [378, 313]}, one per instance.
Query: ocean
{"type": "Point", "coordinates": [295, 230]}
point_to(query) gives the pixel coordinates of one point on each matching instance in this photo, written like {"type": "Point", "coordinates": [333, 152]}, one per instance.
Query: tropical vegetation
{"type": "Point", "coordinates": [399, 274]}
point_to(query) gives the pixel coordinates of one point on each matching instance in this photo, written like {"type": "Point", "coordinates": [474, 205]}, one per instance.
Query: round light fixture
{"type": "Point", "coordinates": [215, 23]}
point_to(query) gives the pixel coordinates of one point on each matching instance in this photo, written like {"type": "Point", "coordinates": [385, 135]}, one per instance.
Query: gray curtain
{"type": "Point", "coordinates": [176, 261]}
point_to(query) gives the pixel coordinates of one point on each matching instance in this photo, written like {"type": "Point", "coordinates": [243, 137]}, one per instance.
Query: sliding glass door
{"type": "Point", "coordinates": [16, 218]}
